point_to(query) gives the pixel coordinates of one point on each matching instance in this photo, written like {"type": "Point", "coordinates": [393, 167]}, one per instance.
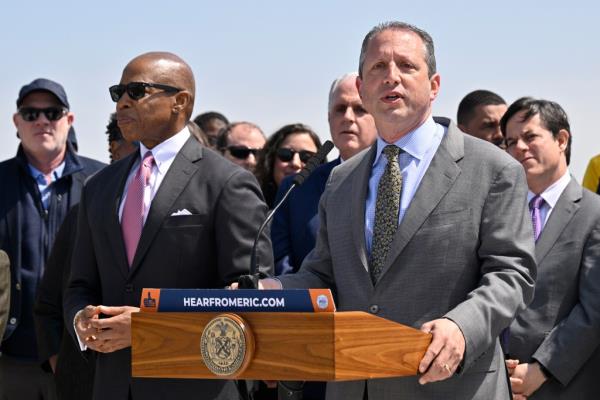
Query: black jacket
{"type": "Point", "coordinates": [66, 193]}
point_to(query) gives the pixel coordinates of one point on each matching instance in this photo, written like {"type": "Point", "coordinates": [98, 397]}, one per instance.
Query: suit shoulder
{"type": "Point", "coordinates": [109, 173]}
{"type": "Point", "coordinates": [90, 165]}
{"type": "Point", "coordinates": [484, 153]}
{"type": "Point", "coordinates": [7, 164]}
{"type": "Point", "coordinates": [590, 200]}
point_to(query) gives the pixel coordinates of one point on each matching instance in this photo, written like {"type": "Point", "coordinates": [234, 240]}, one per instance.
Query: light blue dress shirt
{"type": "Point", "coordinates": [44, 187]}
{"type": "Point", "coordinates": [419, 147]}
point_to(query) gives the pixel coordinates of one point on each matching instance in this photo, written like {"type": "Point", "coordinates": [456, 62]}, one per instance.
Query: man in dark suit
{"type": "Point", "coordinates": [167, 216]}
{"type": "Point", "coordinates": [295, 225]}
{"type": "Point", "coordinates": [555, 343]}
{"type": "Point", "coordinates": [39, 186]}
{"type": "Point", "coordinates": [428, 228]}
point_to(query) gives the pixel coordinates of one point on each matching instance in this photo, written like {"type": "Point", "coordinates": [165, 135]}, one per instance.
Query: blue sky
{"type": "Point", "coordinates": [272, 62]}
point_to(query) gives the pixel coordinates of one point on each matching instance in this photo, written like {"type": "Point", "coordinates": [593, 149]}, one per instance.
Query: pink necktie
{"type": "Point", "coordinates": [132, 220]}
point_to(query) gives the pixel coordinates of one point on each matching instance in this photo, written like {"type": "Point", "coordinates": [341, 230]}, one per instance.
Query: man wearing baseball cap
{"type": "Point", "coordinates": [38, 188]}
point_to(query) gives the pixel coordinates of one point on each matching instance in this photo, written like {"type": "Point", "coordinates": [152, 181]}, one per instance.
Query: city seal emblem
{"type": "Point", "coordinates": [226, 345]}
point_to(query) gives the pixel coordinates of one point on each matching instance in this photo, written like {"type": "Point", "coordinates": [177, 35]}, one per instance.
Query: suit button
{"type": "Point", "coordinates": [18, 286]}
{"type": "Point", "coordinates": [129, 288]}
{"type": "Point", "coordinates": [373, 308]}
{"type": "Point", "coordinates": [12, 321]}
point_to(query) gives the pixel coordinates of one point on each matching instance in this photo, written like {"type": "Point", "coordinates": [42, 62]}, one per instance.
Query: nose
{"type": "Point", "coordinates": [521, 145]}
{"type": "Point", "coordinates": [391, 76]}
{"type": "Point", "coordinates": [497, 135]}
{"type": "Point", "coordinates": [251, 161]}
{"type": "Point", "coordinates": [124, 102]}
{"type": "Point", "coordinates": [42, 119]}
{"type": "Point", "coordinates": [296, 161]}
{"type": "Point", "coordinates": [349, 114]}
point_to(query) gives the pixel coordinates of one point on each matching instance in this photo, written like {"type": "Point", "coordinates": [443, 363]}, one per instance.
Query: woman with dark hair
{"type": "Point", "coordinates": [284, 154]}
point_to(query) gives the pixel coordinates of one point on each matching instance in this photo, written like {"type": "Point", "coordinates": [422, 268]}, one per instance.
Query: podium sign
{"type": "Point", "coordinates": [318, 346]}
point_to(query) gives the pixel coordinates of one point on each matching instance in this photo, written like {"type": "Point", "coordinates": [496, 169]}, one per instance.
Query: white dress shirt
{"type": "Point", "coordinates": [164, 154]}
{"type": "Point", "coordinates": [551, 196]}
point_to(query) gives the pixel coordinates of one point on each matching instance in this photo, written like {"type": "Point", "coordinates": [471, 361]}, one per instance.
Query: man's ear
{"type": "Point", "coordinates": [563, 139]}
{"type": "Point", "coordinates": [435, 82]}
{"type": "Point", "coordinates": [358, 84]}
{"type": "Point", "coordinates": [15, 116]}
{"type": "Point", "coordinates": [182, 101]}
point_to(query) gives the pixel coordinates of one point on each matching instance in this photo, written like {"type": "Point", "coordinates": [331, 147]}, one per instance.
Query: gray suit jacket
{"type": "Point", "coordinates": [464, 251]}
{"type": "Point", "coordinates": [561, 327]}
{"type": "Point", "coordinates": [4, 290]}
{"type": "Point", "coordinates": [209, 248]}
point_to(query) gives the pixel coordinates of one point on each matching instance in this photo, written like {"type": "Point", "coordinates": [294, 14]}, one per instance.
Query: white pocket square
{"type": "Point", "coordinates": [185, 211]}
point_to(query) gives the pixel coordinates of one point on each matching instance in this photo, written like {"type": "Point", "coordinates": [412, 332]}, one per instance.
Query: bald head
{"type": "Point", "coordinates": [168, 69]}
{"type": "Point", "coordinates": [162, 111]}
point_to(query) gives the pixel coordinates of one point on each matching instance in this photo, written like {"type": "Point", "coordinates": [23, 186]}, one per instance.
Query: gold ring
{"type": "Point", "coordinates": [447, 368]}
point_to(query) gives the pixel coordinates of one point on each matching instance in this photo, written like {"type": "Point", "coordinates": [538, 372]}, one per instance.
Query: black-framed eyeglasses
{"type": "Point", "coordinates": [242, 152]}
{"type": "Point", "coordinates": [137, 90]}
{"type": "Point", "coordinates": [285, 155]}
{"type": "Point", "coordinates": [31, 114]}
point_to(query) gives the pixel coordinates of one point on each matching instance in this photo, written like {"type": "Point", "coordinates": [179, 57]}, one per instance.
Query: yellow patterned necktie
{"type": "Point", "coordinates": [387, 207]}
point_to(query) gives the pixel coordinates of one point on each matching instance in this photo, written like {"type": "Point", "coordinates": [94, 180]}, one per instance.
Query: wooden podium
{"type": "Point", "coordinates": [332, 346]}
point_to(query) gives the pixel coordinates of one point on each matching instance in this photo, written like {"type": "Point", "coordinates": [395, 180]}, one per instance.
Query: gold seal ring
{"type": "Point", "coordinates": [447, 368]}
{"type": "Point", "coordinates": [227, 345]}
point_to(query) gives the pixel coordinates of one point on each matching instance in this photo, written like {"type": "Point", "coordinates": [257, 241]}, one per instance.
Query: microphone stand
{"type": "Point", "coordinates": [251, 281]}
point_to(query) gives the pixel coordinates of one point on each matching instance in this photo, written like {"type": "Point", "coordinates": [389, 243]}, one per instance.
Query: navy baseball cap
{"type": "Point", "coordinates": [45, 85]}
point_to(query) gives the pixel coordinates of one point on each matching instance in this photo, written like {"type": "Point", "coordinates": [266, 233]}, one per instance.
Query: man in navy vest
{"type": "Point", "coordinates": [38, 188]}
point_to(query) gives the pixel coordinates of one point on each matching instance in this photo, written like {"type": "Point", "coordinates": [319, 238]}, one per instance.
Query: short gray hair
{"type": "Point", "coordinates": [335, 84]}
{"type": "Point", "coordinates": [399, 26]}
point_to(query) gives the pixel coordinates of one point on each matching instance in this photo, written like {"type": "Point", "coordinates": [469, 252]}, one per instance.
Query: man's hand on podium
{"type": "Point", "coordinates": [444, 354]}
{"type": "Point", "coordinates": [263, 284]}
{"type": "Point", "coordinates": [105, 335]}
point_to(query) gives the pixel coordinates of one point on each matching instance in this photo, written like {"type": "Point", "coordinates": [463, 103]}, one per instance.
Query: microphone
{"type": "Point", "coordinates": [251, 281]}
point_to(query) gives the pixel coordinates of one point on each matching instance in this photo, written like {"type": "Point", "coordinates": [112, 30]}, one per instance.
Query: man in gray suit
{"type": "Point", "coordinates": [4, 290]}
{"type": "Point", "coordinates": [448, 250]}
{"type": "Point", "coordinates": [555, 342]}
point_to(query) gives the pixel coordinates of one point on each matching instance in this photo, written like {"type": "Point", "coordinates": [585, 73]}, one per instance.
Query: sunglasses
{"type": "Point", "coordinates": [285, 155]}
{"type": "Point", "coordinates": [242, 152]}
{"type": "Point", "coordinates": [31, 114]}
{"type": "Point", "coordinates": [137, 90]}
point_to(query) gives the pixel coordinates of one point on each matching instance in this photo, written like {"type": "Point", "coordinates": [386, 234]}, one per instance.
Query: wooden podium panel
{"type": "Point", "coordinates": [288, 346]}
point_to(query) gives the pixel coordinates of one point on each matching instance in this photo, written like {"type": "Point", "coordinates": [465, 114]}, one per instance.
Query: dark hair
{"type": "Point", "coordinates": [112, 129]}
{"type": "Point", "coordinates": [223, 136]}
{"type": "Point", "coordinates": [266, 158]}
{"type": "Point", "coordinates": [203, 119]}
{"type": "Point", "coordinates": [467, 106]}
{"type": "Point", "coordinates": [551, 115]}
{"type": "Point", "coordinates": [429, 51]}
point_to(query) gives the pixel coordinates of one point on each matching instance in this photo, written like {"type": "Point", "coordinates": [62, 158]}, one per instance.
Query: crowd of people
{"type": "Point", "coordinates": [474, 231]}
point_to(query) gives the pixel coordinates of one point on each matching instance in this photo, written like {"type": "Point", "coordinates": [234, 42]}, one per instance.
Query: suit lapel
{"type": "Point", "coordinates": [115, 234]}
{"type": "Point", "coordinates": [360, 185]}
{"type": "Point", "coordinates": [174, 182]}
{"type": "Point", "coordinates": [438, 179]}
{"type": "Point", "coordinates": [564, 210]}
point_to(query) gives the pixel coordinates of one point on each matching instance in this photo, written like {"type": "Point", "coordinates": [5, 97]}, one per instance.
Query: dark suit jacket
{"type": "Point", "coordinates": [561, 326]}
{"type": "Point", "coordinates": [4, 290]}
{"type": "Point", "coordinates": [208, 249]}
{"type": "Point", "coordinates": [74, 374]}
{"type": "Point", "coordinates": [464, 251]}
{"type": "Point", "coordinates": [295, 225]}
{"type": "Point", "coordinates": [66, 193]}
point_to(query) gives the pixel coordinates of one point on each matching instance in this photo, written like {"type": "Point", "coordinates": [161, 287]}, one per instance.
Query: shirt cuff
{"type": "Point", "coordinates": [82, 345]}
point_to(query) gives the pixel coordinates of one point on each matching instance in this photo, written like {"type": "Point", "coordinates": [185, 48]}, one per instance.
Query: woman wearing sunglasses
{"type": "Point", "coordinates": [284, 154]}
